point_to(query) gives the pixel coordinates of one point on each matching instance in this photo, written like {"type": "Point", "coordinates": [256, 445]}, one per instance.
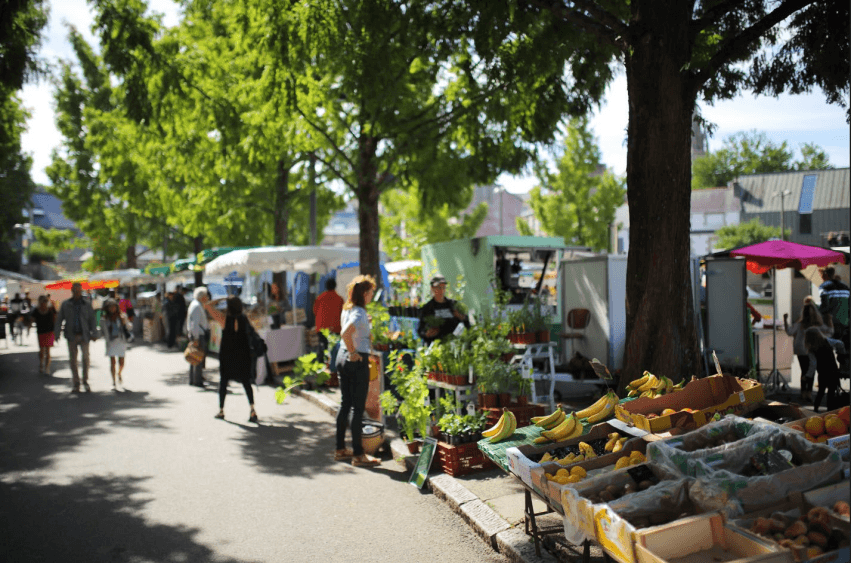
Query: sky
{"type": "Point", "coordinates": [796, 120]}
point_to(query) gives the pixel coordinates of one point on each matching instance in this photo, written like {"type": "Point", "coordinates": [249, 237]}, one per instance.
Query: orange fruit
{"type": "Point", "coordinates": [815, 425]}
{"type": "Point", "coordinates": [845, 415]}
{"type": "Point", "coordinates": [667, 412]}
{"type": "Point", "coordinates": [809, 437]}
{"type": "Point", "coordinates": [822, 439]}
{"type": "Point", "coordinates": [799, 428]}
{"type": "Point", "coordinates": [835, 426]}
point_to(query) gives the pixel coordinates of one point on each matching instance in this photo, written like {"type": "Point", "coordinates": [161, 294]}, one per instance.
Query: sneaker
{"type": "Point", "coordinates": [75, 389]}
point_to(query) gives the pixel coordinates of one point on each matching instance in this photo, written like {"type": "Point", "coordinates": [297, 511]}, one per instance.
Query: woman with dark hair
{"type": "Point", "coordinates": [235, 358]}
{"type": "Point", "coordinates": [810, 317]}
{"type": "Point", "coordinates": [45, 316]}
{"type": "Point", "coordinates": [113, 323]}
{"type": "Point", "coordinates": [354, 370]}
{"type": "Point", "coordinates": [821, 351]}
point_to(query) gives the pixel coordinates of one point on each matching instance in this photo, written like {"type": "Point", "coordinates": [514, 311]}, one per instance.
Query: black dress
{"type": "Point", "coordinates": [235, 361]}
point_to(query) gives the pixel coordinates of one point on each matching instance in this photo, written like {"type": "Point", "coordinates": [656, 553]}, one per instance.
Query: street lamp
{"type": "Point", "coordinates": [782, 194]}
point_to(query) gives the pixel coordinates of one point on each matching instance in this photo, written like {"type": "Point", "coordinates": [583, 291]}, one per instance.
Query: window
{"type": "Point", "coordinates": [805, 204]}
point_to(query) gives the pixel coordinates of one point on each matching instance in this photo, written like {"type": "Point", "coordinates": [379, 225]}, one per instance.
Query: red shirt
{"type": "Point", "coordinates": [327, 311]}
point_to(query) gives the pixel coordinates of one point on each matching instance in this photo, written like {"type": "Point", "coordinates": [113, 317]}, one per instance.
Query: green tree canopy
{"type": "Point", "coordinates": [752, 153]}
{"type": "Point", "coordinates": [745, 234]}
{"type": "Point", "coordinates": [578, 202]}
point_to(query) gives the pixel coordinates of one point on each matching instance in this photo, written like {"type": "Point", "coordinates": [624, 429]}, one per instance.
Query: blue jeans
{"type": "Point", "coordinates": [354, 378]}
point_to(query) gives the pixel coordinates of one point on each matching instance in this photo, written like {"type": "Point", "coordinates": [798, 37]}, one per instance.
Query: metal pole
{"type": "Point", "coordinates": [501, 210]}
{"type": "Point", "coordinates": [774, 328]}
{"type": "Point", "coordinates": [782, 224]}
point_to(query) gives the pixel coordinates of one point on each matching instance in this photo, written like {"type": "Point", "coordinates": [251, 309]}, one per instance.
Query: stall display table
{"type": "Point", "coordinates": [525, 356]}
{"type": "Point", "coordinates": [284, 344]}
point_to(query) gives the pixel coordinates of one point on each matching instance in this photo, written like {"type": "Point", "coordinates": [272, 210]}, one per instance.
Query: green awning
{"type": "Point", "coordinates": [184, 264]}
{"type": "Point", "coordinates": [209, 254]}
{"type": "Point", "coordinates": [162, 270]}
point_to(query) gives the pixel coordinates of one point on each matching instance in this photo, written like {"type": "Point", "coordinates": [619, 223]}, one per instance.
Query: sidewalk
{"type": "Point", "coordinates": [493, 502]}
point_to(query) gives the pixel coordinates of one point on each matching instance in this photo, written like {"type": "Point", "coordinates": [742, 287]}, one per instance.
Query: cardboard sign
{"type": "Point", "coordinates": [419, 473]}
{"type": "Point", "coordinates": [601, 370]}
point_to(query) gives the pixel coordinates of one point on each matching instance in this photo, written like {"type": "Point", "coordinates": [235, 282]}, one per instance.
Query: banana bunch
{"type": "Point", "coordinates": [586, 450]}
{"type": "Point", "coordinates": [601, 409]}
{"type": "Point", "coordinates": [652, 386]}
{"type": "Point", "coordinates": [615, 442]}
{"type": "Point", "coordinates": [505, 427]}
{"type": "Point", "coordinates": [550, 421]}
{"type": "Point", "coordinates": [569, 428]}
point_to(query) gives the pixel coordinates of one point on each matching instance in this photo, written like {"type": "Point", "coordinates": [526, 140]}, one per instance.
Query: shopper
{"type": "Point", "coordinates": [27, 311]}
{"type": "Point", "coordinates": [182, 301]}
{"type": "Point", "coordinates": [45, 318]}
{"type": "Point", "coordinates": [439, 316]}
{"type": "Point", "coordinates": [198, 331]}
{"type": "Point", "coordinates": [113, 326]}
{"type": "Point", "coordinates": [16, 320]}
{"type": "Point", "coordinates": [810, 317]}
{"type": "Point", "coordinates": [79, 319]}
{"type": "Point", "coordinates": [235, 357]}
{"type": "Point", "coordinates": [836, 302]}
{"type": "Point", "coordinates": [173, 318]}
{"type": "Point", "coordinates": [822, 360]}
{"type": "Point", "coordinates": [327, 314]}
{"type": "Point", "coordinates": [354, 370]}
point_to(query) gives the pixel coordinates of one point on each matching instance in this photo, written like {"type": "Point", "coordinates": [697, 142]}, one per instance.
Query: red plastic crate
{"type": "Point", "coordinates": [463, 459]}
{"type": "Point", "coordinates": [523, 414]}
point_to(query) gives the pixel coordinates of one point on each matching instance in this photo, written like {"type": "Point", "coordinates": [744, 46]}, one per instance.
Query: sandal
{"type": "Point", "coordinates": [341, 455]}
{"type": "Point", "coordinates": [365, 460]}
{"type": "Point", "coordinates": [220, 415]}
{"type": "Point", "coordinates": [253, 417]}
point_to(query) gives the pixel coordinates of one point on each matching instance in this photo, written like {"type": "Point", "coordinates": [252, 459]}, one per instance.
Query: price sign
{"type": "Point", "coordinates": [422, 467]}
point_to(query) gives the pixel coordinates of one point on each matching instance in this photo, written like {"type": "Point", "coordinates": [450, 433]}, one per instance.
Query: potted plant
{"type": "Point", "coordinates": [308, 370]}
{"type": "Point", "coordinates": [539, 320]}
{"type": "Point", "coordinates": [413, 408]}
{"type": "Point", "coordinates": [380, 326]}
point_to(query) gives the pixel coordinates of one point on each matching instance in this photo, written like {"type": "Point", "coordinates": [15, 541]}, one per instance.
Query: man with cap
{"type": "Point", "coordinates": [439, 316]}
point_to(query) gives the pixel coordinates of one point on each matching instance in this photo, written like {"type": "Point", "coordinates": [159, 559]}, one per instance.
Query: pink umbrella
{"type": "Point", "coordinates": [776, 254]}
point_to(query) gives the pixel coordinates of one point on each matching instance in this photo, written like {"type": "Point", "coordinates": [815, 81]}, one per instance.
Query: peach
{"type": "Point", "coordinates": [815, 425]}
{"type": "Point", "coordinates": [822, 439]}
{"type": "Point", "coordinates": [835, 426]}
{"type": "Point", "coordinates": [845, 415]}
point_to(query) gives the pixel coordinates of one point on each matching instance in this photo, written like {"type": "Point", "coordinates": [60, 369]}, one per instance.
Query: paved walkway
{"type": "Point", "coordinates": [149, 475]}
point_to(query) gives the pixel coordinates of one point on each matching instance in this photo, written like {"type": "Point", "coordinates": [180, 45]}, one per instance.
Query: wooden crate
{"type": "Point", "coordinates": [464, 459]}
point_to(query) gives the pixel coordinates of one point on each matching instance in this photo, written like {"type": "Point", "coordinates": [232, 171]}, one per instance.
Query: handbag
{"type": "Point", "coordinates": [257, 346]}
{"type": "Point", "coordinates": [193, 354]}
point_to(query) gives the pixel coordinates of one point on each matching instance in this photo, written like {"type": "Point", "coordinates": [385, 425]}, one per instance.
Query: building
{"type": "Point", "coordinates": [343, 227]}
{"type": "Point", "coordinates": [711, 209]}
{"type": "Point", "coordinates": [503, 206]}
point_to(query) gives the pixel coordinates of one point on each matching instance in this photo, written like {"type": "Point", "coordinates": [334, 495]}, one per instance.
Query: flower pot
{"type": "Point", "coordinates": [522, 400]}
{"type": "Point", "coordinates": [456, 440]}
{"type": "Point", "coordinates": [414, 447]}
{"type": "Point", "coordinates": [507, 357]}
{"type": "Point", "coordinates": [488, 400]}
{"type": "Point", "coordinates": [543, 336]}
{"type": "Point", "coordinates": [504, 400]}
{"type": "Point", "coordinates": [381, 347]}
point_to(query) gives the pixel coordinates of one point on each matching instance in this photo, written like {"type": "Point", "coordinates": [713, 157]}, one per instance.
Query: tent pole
{"type": "Point", "coordinates": [774, 328]}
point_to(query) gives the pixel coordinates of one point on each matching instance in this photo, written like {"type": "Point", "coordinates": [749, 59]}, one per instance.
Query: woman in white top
{"type": "Point", "coordinates": [113, 323]}
{"type": "Point", "coordinates": [354, 370]}
{"type": "Point", "coordinates": [809, 317]}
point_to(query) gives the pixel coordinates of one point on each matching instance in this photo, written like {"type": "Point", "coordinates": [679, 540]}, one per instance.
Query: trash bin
{"type": "Point", "coordinates": [373, 435]}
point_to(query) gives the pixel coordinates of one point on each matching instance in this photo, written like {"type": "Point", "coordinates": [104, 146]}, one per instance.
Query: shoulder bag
{"type": "Point", "coordinates": [193, 353]}
{"type": "Point", "coordinates": [257, 346]}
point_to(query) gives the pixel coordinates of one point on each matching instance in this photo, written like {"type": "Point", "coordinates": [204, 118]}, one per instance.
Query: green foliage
{"type": "Point", "coordinates": [21, 27]}
{"type": "Point", "coordinates": [578, 202]}
{"type": "Point", "coordinates": [745, 234]}
{"type": "Point", "coordinates": [752, 153]}
{"type": "Point", "coordinates": [414, 408]}
{"type": "Point", "coordinates": [307, 369]}
{"type": "Point", "coordinates": [380, 323]}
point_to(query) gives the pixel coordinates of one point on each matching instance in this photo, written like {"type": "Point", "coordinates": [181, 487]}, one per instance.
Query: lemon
{"type": "Point", "coordinates": [577, 470]}
{"type": "Point", "coordinates": [574, 478]}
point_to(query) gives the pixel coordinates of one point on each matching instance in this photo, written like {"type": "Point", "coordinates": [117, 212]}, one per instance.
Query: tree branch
{"type": "Point", "coordinates": [605, 26]}
{"type": "Point", "coordinates": [738, 44]}
{"type": "Point", "coordinates": [325, 135]}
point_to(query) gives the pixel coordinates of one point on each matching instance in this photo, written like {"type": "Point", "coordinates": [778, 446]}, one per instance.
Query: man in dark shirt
{"type": "Point", "coordinates": [439, 317]}
{"type": "Point", "coordinates": [836, 302]}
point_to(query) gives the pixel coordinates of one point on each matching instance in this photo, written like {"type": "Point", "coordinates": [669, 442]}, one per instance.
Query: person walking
{"type": "Point", "coordinates": [170, 311]}
{"type": "Point", "coordinates": [44, 316]}
{"type": "Point", "coordinates": [235, 357]}
{"type": "Point", "coordinates": [836, 302]}
{"type": "Point", "coordinates": [198, 331]}
{"type": "Point", "coordinates": [78, 318]}
{"type": "Point", "coordinates": [182, 307]}
{"type": "Point", "coordinates": [113, 327]}
{"type": "Point", "coordinates": [27, 311]}
{"type": "Point", "coordinates": [354, 371]}
{"type": "Point", "coordinates": [810, 317]}
{"type": "Point", "coordinates": [16, 320]}
{"type": "Point", "coordinates": [822, 361]}
{"type": "Point", "coordinates": [327, 314]}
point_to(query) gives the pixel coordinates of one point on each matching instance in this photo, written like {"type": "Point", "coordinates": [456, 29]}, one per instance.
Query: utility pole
{"type": "Point", "coordinates": [782, 194]}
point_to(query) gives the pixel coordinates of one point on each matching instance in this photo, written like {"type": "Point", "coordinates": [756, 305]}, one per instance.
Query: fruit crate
{"type": "Point", "coordinates": [523, 413]}
{"type": "Point", "coordinates": [464, 459]}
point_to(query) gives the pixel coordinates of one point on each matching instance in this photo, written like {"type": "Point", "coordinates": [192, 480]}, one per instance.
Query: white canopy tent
{"type": "Point", "coordinates": [129, 276]}
{"type": "Point", "coordinates": [308, 259]}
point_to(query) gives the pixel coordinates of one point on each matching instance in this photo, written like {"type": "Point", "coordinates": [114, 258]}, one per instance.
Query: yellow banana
{"type": "Point", "coordinates": [541, 440]}
{"type": "Point", "coordinates": [679, 385]}
{"type": "Point", "coordinates": [579, 429]}
{"type": "Point", "coordinates": [662, 384]}
{"type": "Point", "coordinates": [612, 439]}
{"type": "Point", "coordinates": [594, 408]}
{"type": "Point", "coordinates": [564, 427]}
{"type": "Point", "coordinates": [606, 411]}
{"type": "Point", "coordinates": [669, 387]}
{"type": "Point", "coordinates": [568, 430]}
{"type": "Point", "coordinates": [633, 393]}
{"type": "Point", "coordinates": [546, 421]}
{"type": "Point", "coordinates": [640, 381]}
{"type": "Point", "coordinates": [651, 384]}
{"type": "Point", "coordinates": [495, 429]}
{"type": "Point", "coordinates": [619, 445]}
{"type": "Point", "coordinates": [546, 457]}
{"type": "Point", "coordinates": [556, 422]}
{"type": "Point", "coordinates": [586, 450]}
{"type": "Point", "coordinates": [508, 429]}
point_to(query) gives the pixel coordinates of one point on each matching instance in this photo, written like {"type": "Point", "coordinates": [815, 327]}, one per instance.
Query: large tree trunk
{"type": "Point", "coordinates": [660, 332]}
{"type": "Point", "coordinates": [368, 196]}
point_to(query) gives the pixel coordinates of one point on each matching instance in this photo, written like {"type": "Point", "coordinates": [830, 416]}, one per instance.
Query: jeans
{"type": "Point", "coordinates": [75, 341]}
{"type": "Point", "coordinates": [196, 377]}
{"type": "Point", "coordinates": [354, 378]}
{"type": "Point", "coordinates": [806, 382]}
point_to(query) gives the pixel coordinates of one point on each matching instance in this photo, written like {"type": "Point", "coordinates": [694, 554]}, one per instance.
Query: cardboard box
{"type": "Point", "coordinates": [774, 411]}
{"type": "Point", "coordinates": [530, 472]}
{"type": "Point", "coordinates": [578, 509]}
{"type": "Point", "coordinates": [705, 538]}
{"type": "Point", "coordinates": [705, 397]}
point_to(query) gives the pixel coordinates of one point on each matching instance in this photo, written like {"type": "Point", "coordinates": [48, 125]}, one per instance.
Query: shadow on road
{"type": "Point", "coordinates": [91, 519]}
{"type": "Point", "coordinates": [40, 418]}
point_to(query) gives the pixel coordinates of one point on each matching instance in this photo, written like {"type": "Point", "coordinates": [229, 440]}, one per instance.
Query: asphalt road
{"type": "Point", "coordinates": [148, 474]}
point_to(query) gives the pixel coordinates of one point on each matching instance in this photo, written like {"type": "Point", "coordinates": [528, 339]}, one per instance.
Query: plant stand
{"type": "Point", "coordinates": [524, 358]}
{"type": "Point", "coordinates": [462, 393]}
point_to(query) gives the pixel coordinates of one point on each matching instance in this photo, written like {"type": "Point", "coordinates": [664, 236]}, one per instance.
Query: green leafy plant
{"type": "Point", "coordinates": [413, 408]}
{"type": "Point", "coordinates": [307, 369]}
{"type": "Point", "coordinates": [380, 323]}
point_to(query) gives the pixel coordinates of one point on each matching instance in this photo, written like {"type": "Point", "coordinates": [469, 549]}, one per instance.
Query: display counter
{"type": "Point", "coordinates": [284, 344]}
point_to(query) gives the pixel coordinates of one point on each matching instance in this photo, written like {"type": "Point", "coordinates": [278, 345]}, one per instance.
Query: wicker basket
{"type": "Point", "coordinates": [373, 439]}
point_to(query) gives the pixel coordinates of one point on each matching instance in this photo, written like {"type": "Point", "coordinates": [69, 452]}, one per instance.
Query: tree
{"type": "Point", "coordinates": [579, 202]}
{"type": "Point", "coordinates": [752, 153]}
{"type": "Point", "coordinates": [745, 234]}
{"type": "Point", "coordinates": [673, 52]}
{"type": "Point", "coordinates": [405, 226]}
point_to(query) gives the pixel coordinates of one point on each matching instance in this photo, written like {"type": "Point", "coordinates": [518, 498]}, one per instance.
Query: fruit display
{"type": "Point", "coordinates": [564, 476]}
{"type": "Point", "coordinates": [588, 449]}
{"type": "Point", "coordinates": [820, 429]}
{"type": "Point", "coordinates": [641, 478]}
{"type": "Point", "coordinates": [558, 426]}
{"type": "Point", "coordinates": [633, 458]}
{"type": "Point", "coordinates": [808, 535]}
{"type": "Point", "coordinates": [503, 429]}
{"type": "Point", "coordinates": [651, 386]}
{"type": "Point", "coordinates": [601, 409]}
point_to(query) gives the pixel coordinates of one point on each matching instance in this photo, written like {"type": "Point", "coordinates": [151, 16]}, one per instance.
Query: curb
{"type": "Point", "coordinates": [511, 542]}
